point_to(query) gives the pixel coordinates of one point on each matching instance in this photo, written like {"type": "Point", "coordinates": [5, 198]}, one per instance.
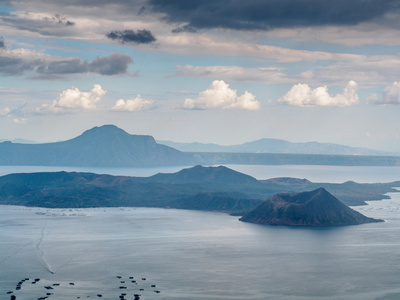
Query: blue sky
{"type": "Point", "coordinates": [224, 72]}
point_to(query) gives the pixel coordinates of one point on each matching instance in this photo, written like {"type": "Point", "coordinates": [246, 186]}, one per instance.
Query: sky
{"type": "Point", "coordinates": [224, 72]}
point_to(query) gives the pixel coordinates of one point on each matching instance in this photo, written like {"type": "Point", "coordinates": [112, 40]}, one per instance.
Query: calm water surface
{"type": "Point", "coordinates": [334, 174]}
{"type": "Point", "coordinates": [195, 255]}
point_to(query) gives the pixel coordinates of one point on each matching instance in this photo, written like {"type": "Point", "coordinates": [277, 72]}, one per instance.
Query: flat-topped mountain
{"type": "Point", "coordinates": [314, 208]}
{"type": "Point", "coordinates": [105, 146]}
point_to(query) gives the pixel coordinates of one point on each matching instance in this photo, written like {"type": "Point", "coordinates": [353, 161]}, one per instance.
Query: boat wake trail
{"type": "Point", "coordinates": [42, 253]}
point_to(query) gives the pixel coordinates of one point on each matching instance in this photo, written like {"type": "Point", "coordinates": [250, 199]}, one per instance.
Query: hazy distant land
{"type": "Point", "coordinates": [110, 146]}
{"type": "Point", "coordinates": [268, 145]}
{"type": "Point", "coordinates": [19, 141]}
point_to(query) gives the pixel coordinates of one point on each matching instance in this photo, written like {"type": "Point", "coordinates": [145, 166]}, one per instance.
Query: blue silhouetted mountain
{"type": "Point", "coordinates": [20, 141]}
{"type": "Point", "coordinates": [314, 208]}
{"type": "Point", "coordinates": [110, 146]}
{"type": "Point", "coordinates": [204, 188]}
{"type": "Point", "coordinates": [105, 146]}
{"type": "Point", "coordinates": [200, 174]}
{"type": "Point", "coordinates": [268, 145]}
{"type": "Point", "coordinates": [63, 189]}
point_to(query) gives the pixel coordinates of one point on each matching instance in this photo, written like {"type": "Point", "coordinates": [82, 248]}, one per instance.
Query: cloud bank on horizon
{"type": "Point", "coordinates": [280, 66]}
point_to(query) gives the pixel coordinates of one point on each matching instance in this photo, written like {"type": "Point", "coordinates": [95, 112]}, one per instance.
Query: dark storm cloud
{"type": "Point", "coordinates": [185, 28]}
{"type": "Point", "coordinates": [68, 66]}
{"type": "Point", "coordinates": [115, 64]}
{"type": "Point", "coordinates": [270, 14]}
{"type": "Point", "coordinates": [143, 36]}
{"type": "Point", "coordinates": [111, 65]}
{"type": "Point", "coordinates": [2, 43]}
{"type": "Point", "coordinates": [10, 66]}
{"type": "Point", "coordinates": [142, 10]}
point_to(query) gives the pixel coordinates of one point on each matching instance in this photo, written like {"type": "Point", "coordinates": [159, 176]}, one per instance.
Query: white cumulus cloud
{"type": "Point", "coordinates": [303, 95]}
{"type": "Point", "coordinates": [132, 104]}
{"type": "Point", "coordinates": [219, 95]}
{"type": "Point", "coordinates": [4, 111]}
{"type": "Point", "coordinates": [20, 121]}
{"type": "Point", "coordinates": [74, 99]}
{"type": "Point", "coordinates": [390, 95]}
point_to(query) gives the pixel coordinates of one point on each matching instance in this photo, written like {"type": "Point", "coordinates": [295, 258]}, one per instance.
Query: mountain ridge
{"type": "Point", "coordinates": [103, 146]}
{"type": "Point", "coordinates": [199, 188]}
{"type": "Point", "coordinates": [201, 174]}
{"type": "Point", "coordinates": [110, 146]}
{"type": "Point", "coordinates": [270, 145]}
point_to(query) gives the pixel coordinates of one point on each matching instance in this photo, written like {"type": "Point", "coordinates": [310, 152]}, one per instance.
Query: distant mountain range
{"type": "Point", "coordinates": [20, 141]}
{"type": "Point", "coordinates": [110, 146]}
{"type": "Point", "coordinates": [267, 145]}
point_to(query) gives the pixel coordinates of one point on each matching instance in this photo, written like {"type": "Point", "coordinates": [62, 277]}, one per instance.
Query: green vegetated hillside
{"type": "Point", "coordinates": [202, 188]}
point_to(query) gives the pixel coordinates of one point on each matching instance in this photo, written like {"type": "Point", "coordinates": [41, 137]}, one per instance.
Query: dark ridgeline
{"type": "Point", "coordinates": [200, 174]}
{"type": "Point", "coordinates": [202, 188]}
{"type": "Point", "coordinates": [314, 208]}
{"type": "Point", "coordinates": [105, 146]}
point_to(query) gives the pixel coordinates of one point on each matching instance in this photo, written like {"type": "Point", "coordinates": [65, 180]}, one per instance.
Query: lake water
{"type": "Point", "coordinates": [81, 253]}
{"type": "Point", "coordinates": [315, 173]}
